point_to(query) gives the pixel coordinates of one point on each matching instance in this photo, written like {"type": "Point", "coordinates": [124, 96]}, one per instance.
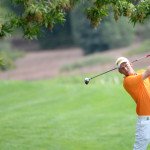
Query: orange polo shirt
{"type": "Point", "coordinates": [139, 90]}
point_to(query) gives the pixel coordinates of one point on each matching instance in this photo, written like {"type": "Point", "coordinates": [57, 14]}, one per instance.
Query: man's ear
{"type": "Point", "coordinates": [131, 64]}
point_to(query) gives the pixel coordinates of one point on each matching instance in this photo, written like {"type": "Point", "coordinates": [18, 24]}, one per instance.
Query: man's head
{"type": "Point", "coordinates": [124, 66]}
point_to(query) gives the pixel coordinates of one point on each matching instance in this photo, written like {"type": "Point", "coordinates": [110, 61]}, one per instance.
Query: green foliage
{"type": "Point", "coordinates": [108, 35]}
{"type": "Point", "coordinates": [142, 11]}
{"type": "Point", "coordinates": [8, 56]}
{"type": "Point", "coordinates": [6, 62]}
{"type": "Point", "coordinates": [95, 15]}
{"type": "Point", "coordinates": [35, 15]}
{"type": "Point", "coordinates": [136, 12]}
{"type": "Point", "coordinates": [42, 13]}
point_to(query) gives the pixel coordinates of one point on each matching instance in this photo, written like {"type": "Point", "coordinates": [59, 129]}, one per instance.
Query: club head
{"type": "Point", "coordinates": [86, 80]}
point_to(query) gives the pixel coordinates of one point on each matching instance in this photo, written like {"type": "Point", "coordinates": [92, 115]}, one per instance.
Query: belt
{"type": "Point", "coordinates": [144, 117]}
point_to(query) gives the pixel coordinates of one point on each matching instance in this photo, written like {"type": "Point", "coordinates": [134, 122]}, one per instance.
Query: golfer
{"type": "Point", "coordinates": [138, 86]}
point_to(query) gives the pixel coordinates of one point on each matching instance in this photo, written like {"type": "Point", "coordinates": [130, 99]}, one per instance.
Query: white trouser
{"type": "Point", "coordinates": [142, 136]}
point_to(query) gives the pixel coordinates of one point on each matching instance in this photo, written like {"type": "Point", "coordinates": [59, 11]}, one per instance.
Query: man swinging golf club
{"type": "Point", "coordinates": [138, 86]}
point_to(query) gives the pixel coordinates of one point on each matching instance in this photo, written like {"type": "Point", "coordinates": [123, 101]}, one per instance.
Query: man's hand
{"type": "Point", "coordinates": [146, 74]}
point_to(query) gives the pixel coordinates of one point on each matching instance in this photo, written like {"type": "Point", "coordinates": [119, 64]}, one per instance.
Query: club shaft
{"type": "Point", "coordinates": [140, 58]}
{"type": "Point", "coordinates": [104, 73]}
{"type": "Point", "coordinates": [117, 68]}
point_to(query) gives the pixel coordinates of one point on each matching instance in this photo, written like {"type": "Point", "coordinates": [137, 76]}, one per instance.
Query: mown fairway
{"type": "Point", "coordinates": [65, 114]}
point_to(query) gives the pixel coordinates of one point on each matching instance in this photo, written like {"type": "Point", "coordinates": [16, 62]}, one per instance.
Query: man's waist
{"type": "Point", "coordinates": [144, 117]}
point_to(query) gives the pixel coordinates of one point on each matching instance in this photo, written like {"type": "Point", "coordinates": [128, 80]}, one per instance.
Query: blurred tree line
{"type": "Point", "coordinates": [77, 31]}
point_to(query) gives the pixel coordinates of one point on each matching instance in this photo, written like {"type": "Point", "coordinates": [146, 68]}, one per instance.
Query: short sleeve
{"type": "Point", "coordinates": [132, 81]}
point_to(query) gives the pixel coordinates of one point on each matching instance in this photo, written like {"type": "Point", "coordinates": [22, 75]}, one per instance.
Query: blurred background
{"type": "Point", "coordinates": [85, 48]}
{"type": "Point", "coordinates": [44, 104]}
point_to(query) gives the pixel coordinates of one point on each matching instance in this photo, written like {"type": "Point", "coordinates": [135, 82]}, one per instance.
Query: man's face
{"type": "Point", "coordinates": [126, 69]}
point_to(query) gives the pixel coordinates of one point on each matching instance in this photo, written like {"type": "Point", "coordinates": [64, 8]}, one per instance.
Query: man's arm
{"type": "Point", "coordinates": [146, 74]}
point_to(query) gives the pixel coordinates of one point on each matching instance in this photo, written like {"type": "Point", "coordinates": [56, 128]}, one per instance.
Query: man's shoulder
{"type": "Point", "coordinates": [137, 75]}
{"type": "Point", "coordinates": [133, 80]}
{"type": "Point", "coordinates": [128, 78]}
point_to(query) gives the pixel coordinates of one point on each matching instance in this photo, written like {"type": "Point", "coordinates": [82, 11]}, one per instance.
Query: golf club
{"type": "Point", "coordinates": [87, 80]}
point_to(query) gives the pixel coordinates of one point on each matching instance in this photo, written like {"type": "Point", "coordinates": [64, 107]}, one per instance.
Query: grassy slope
{"type": "Point", "coordinates": [64, 114]}
{"type": "Point", "coordinates": [143, 48]}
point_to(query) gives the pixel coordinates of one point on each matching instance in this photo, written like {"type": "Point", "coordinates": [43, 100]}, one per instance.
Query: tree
{"type": "Point", "coordinates": [60, 36]}
{"type": "Point", "coordinates": [37, 14]}
{"type": "Point", "coordinates": [108, 35]}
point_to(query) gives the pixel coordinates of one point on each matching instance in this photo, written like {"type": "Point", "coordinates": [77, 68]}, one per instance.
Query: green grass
{"type": "Point", "coordinates": [65, 114]}
{"type": "Point", "coordinates": [143, 48]}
